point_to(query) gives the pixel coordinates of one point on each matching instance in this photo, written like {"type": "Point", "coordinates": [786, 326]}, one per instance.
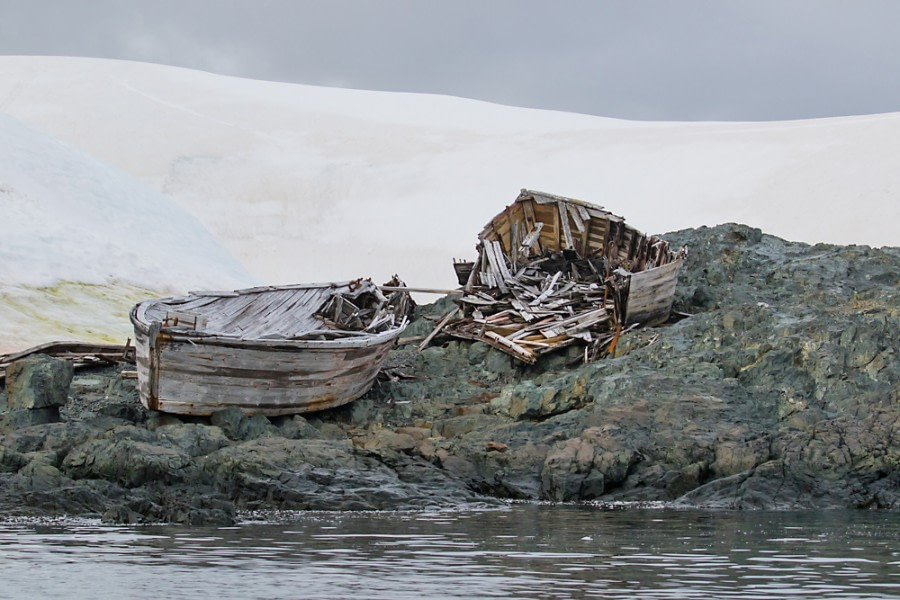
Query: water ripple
{"type": "Point", "coordinates": [523, 552]}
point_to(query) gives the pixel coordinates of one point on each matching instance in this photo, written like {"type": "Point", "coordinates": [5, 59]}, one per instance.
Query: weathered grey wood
{"type": "Point", "coordinates": [548, 291]}
{"type": "Point", "coordinates": [514, 243]}
{"type": "Point", "coordinates": [476, 268]}
{"type": "Point", "coordinates": [438, 328]}
{"type": "Point", "coordinates": [651, 294]}
{"type": "Point", "coordinates": [495, 266]}
{"type": "Point", "coordinates": [563, 297]}
{"type": "Point", "coordinates": [475, 300]}
{"type": "Point", "coordinates": [421, 290]}
{"type": "Point", "coordinates": [582, 211]}
{"type": "Point", "coordinates": [575, 216]}
{"type": "Point", "coordinates": [254, 354]}
{"type": "Point", "coordinates": [564, 223]}
{"type": "Point", "coordinates": [522, 352]}
{"type": "Point", "coordinates": [501, 261]}
{"type": "Point", "coordinates": [532, 237]}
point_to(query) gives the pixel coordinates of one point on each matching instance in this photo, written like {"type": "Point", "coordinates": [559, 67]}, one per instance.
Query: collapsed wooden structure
{"type": "Point", "coordinates": [80, 354]}
{"type": "Point", "coordinates": [266, 350]}
{"type": "Point", "coordinates": [553, 270]}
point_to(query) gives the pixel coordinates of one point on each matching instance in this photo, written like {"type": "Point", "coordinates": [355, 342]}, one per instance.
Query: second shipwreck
{"type": "Point", "coordinates": [552, 270]}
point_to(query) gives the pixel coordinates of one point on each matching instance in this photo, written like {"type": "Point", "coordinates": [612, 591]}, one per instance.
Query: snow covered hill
{"type": "Point", "coordinates": [305, 183]}
{"type": "Point", "coordinates": [82, 242]}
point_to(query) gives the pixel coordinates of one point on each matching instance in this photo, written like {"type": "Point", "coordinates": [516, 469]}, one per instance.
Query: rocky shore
{"type": "Point", "coordinates": [781, 390]}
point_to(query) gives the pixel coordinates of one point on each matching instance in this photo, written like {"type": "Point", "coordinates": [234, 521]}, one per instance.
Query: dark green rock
{"type": "Point", "coordinates": [228, 420]}
{"type": "Point", "coordinates": [38, 381]}
{"type": "Point", "coordinates": [20, 419]}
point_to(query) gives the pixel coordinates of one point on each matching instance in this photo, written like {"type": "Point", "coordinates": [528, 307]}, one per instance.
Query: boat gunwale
{"type": "Point", "coordinates": [536, 195]}
{"type": "Point", "coordinates": [526, 195]}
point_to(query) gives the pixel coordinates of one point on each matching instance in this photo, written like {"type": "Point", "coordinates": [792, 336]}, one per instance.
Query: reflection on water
{"type": "Point", "coordinates": [524, 551]}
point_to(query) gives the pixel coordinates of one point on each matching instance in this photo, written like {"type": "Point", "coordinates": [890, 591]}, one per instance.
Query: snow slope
{"type": "Point", "coordinates": [81, 242]}
{"type": "Point", "coordinates": [304, 183]}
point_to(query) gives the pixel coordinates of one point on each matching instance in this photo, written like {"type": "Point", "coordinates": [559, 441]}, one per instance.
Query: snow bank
{"type": "Point", "coordinates": [82, 242]}
{"type": "Point", "coordinates": [67, 217]}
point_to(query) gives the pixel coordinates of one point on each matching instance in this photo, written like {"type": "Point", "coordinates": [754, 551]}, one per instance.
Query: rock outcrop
{"type": "Point", "coordinates": [780, 390]}
{"type": "Point", "coordinates": [36, 388]}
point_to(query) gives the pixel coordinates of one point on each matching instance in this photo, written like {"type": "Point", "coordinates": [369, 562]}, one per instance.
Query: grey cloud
{"type": "Point", "coordinates": [653, 59]}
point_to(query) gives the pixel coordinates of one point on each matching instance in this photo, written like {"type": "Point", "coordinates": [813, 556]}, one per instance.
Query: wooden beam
{"type": "Point", "coordinates": [564, 221]}
{"type": "Point", "coordinates": [398, 288]}
{"type": "Point", "coordinates": [438, 328]}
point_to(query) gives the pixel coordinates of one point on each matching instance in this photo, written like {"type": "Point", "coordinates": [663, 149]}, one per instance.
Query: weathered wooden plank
{"type": "Point", "coordinates": [546, 214]}
{"type": "Point", "coordinates": [242, 370]}
{"type": "Point", "coordinates": [582, 211]}
{"type": "Point", "coordinates": [518, 351]}
{"type": "Point", "coordinates": [501, 261]}
{"type": "Point", "coordinates": [548, 290]}
{"type": "Point", "coordinates": [476, 269]}
{"type": "Point", "coordinates": [533, 236]}
{"type": "Point", "coordinates": [563, 220]}
{"type": "Point", "coordinates": [218, 357]}
{"type": "Point", "coordinates": [257, 324]}
{"type": "Point", "coordinates": [575, 216]}
{"type": "Point", "coordinates": [514, 243]}
{"type": "Point", "coordinates": [438, 328]}
{"type": "Point", "coordinates": [651, 294]}
{"type": "Point", "coordinates": [475, 300]}
{"type": "Point", "coordinates": [528, 212]}
{"type": "Point", "coordinates": [222, 369]}
{"type": "Point", "coordinates": [498, 265]}
{"type": "Point", "coordinates": [602, 214]}
{"type": "Point", "coordinates": [269, 402]}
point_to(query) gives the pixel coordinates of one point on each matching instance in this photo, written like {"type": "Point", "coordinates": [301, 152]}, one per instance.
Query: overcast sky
{"type": "Point", "coordinates": [662, 59]}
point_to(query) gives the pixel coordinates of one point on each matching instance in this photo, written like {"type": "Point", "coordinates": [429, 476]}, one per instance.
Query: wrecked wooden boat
{"type": "Point", "coordinates": [553, 270]}
{"type": "Point", "coordinates": [266, 350]}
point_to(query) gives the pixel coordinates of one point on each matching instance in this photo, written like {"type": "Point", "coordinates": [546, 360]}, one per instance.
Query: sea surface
{"type": "Point", "coordinates": [522, 551]}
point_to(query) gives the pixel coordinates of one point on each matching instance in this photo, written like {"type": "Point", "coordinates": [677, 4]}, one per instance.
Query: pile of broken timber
{"type": "Point", "coordinates": [553, 270]}
{"type": "Point", "coordinates": [534, 311]}
{"type": "Point", "coordinates": [369, 312]}
{"type": "Point", "coordinates": [80, 354]}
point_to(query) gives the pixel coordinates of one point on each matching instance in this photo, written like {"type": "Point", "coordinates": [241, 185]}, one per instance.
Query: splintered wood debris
{"type": "Point", "coordinates": [552, 271]}
{"type": "Point", "coordinates": [376, 309]}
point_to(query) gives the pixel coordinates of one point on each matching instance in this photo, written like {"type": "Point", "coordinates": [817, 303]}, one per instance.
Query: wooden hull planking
{"type": "Point", "coordinates": [651, 294]}
{"type": "Point", "coordinates": [192, 378]}
{"type": "Point", "coordinates": [267, 351]}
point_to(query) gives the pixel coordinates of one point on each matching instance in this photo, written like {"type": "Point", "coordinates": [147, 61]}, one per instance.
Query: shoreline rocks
{"type": "Point", "coordinates": [782, 390]}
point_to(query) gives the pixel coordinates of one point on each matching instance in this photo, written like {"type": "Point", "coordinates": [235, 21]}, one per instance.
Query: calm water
{"type": "Point", "coordinates": [524, 551]}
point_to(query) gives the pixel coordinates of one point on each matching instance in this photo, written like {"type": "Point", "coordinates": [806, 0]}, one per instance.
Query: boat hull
{"type": "Point", "coordinates": [198, 377]}
{"type": "Point", "coordinates": [552, 270]}
{"type": "Point", "coordinates": [569, 224]}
